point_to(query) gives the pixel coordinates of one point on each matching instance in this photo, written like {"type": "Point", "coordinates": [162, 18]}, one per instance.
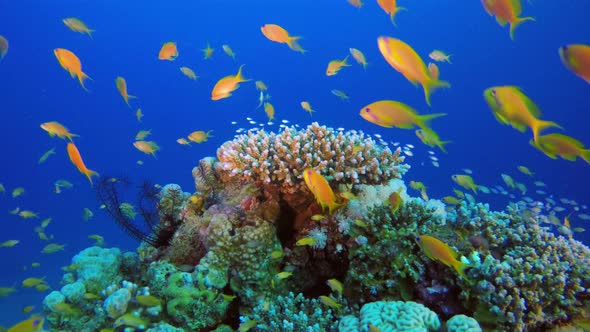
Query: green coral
{"type": "Point", "coordinates": [292, 313]}
{"type": "Point", "coordinates": [191, 304]}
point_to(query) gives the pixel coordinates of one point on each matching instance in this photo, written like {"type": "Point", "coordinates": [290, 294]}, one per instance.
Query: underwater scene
{"type": "Point", "coordinates": [294, 166]}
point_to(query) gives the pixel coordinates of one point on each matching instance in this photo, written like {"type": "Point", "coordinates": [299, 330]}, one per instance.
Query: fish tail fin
{"type": "Point", "coordinates": [365, 66]}
{"type": "Point", "coordinates": [423, 120]}
{"type": "Point", "coordinates": [442, 144]}
{"type": "Point", "coordinates": [240, 77]}
{"type": "Point", "coordinates": [448, 59]}
{"type": "Point", "coordinates": [394, 12]}
{"type": "Point", "coordinates": [517, 22]}
{"type": "Point", "coordinates": [586, 155]}
{"type": "Point", "coordinates": [345, 62]}
{"type": "Point", "coordinates": [432, 85]}
{"type": "Point", "coordinates": [293, 44]}
{"type": "Point", "coordinates": [541, 125]}
{"type": "Point", "coordinates": [81, 77]}
{"type": "Point", "coordinates": [89, 174]}
{"type": "Point", "coordinates": [69, 136]}
{"type": "Point", "coordinates": [460, 267]}
{"type": "Point", "coordinates": [89, 32]}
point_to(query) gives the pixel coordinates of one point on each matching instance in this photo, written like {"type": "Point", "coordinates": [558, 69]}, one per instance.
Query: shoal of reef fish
{"type": "Point", "coordinates": [509, 105]}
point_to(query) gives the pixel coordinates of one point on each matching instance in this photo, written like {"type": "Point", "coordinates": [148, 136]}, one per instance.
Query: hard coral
{"type": "Point", "coordinates": [530, 279]}
{"type": "Point", "coordinates": [279, 159]}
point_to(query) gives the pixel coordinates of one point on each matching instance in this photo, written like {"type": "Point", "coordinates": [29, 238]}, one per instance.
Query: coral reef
{"type": "Point", "coordinates": [251, 236]}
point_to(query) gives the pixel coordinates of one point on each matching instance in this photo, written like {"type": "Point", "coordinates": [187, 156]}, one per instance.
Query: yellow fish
{"type": "Point", "coordinates": [9, 243]}
{"type": "Point", "coordinates": [247, 325]}
{"type": "Point", "coordinates": [18, 191]}
{"type": "Point", "coordinates": [229, 51]}
{"type": "Point", "coordinates": [168, 52]}
{"type": "Point", "coordinates": [189, 73]}
{"type": "Point", "coordinates": [306, 241]}
{"type": "Point", "coordinates": [53, 248]}
{"type": "Point", "coordinates": [199, 136]}
{"type": "Point", "coordinates": [307, 107]}
{"type": "Point", "coordinates": [32, 282]}
{"type": "Point", "coordinates": [465, 181]}
{"type": "Point", "coordinates": [330, 302]}
{"type": "Point", "coordinates": [278, 34]}
{"type": "Point", "coordinates": [139, 114]}
{"type": "Point", "coordinates": [33, 324]}
{"type": "Point", "coordinates": [525, 170]}
{"type": "Point", "coordinates": [405, 60]}
{"type": "Point", "coordinates": [269, 109]}
{"type": "Point", "coordinates": [390, 113]}
{"type": "Point", "coordinates": [511, 106]}
{"type": "Point", "coordinates": [26, 214]}
{"type": "Point", "coordinates": [130, 320]}
{"type": "Point", "coordinates": [566, 147]}
{"type": "Point", "coordinates": [321, 189]}
{"type": "Point", "coordinates": [148, 300]}
{"type": "Point", "coordinates": [78, 26]}
{"type": "Point", "coordinates": [142, 134]}
{"type": "Point", "coordinates": [430, 138]}
{"type": "Point", "coordinates": [122, 87]}
{"type": "Point", "coordinates": [260, 86]}
{"type": "Point", "coordinates": [208, 52]}
{"type": "Point", "coordinates": [335, 285]}
{"type": "Point", "coordinates": [46, 155]}
{"type": "Point", "coordinates": [437, 250]}
{"type": "Point", "coordinates": [440, 56]}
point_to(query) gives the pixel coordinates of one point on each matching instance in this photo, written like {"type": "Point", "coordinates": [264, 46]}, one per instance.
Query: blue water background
{"type": "Point", "coordinates": [35, 89]}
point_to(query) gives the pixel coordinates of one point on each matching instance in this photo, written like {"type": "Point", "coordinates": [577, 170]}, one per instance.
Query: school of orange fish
{"type": "Point", "coordinates": [509, 105]}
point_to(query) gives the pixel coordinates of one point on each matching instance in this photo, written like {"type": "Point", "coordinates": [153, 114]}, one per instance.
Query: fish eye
{"type": "Point", "coordinates": [367, 109]}
{"type": "Point", "coordinates": [36, 322]}
{"type": "Point", "coordinates": [493, 92]}
{"type": "Point", "coordinates": [418, 238]}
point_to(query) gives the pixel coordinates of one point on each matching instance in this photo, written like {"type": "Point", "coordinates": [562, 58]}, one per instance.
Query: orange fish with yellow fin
{"type": "Point", "coordinates": [70, 62]}
{"type": "Point", "coordinates": [405, 60]}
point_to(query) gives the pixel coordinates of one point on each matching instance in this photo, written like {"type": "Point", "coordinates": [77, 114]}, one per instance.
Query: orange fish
{"type": "Point", "coordinates": [307, 107]}
{"type": "Point", "coordinates": [576, 57]}
{"type": "Point", "coordinates": [277, 34]}
{"type": "Point", "coordinates": [511, 106]}
{"type": "Point", "coordinates": [76, 159]}
{"type": "Point", "coordinates": [506, 11]}
{"type": "Point", "coordinates": [147, 147]}
{"type": "Point", "coordinates": [555, 144]}
{"type": "Point", "coordinates": [3, 47]}
{"type": "Point", "coordinates": [168, 51]}
{"type": "Point", "coordinates": [334, 66]}
{"type": "Point", "coordinates": [122, 87]}
{"type": "Point", "coordinates": [225, 86]}
{"type": "Point", "coordinates": [55, 128]}
{"type": "Point", "coordinates": [390, 7]}
{"type": "Point", "coordinates": [321, 189]}
{"type": "Point", "coordinates": [405, 60]}
{"type": "Point", "coordinates": [437, 250]}
{"type": "Point", "coordinates": [70, 62]}
{"type": "Point", "coordinates": [390, 113]}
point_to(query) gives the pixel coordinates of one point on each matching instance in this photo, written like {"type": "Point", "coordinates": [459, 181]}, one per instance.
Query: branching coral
{"type": "Point", "coordinates": [279, 159]}
{"type": "Point", "coordinates": [292, 313]}
{"type": "Point", "coordinates": [528, 278]}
